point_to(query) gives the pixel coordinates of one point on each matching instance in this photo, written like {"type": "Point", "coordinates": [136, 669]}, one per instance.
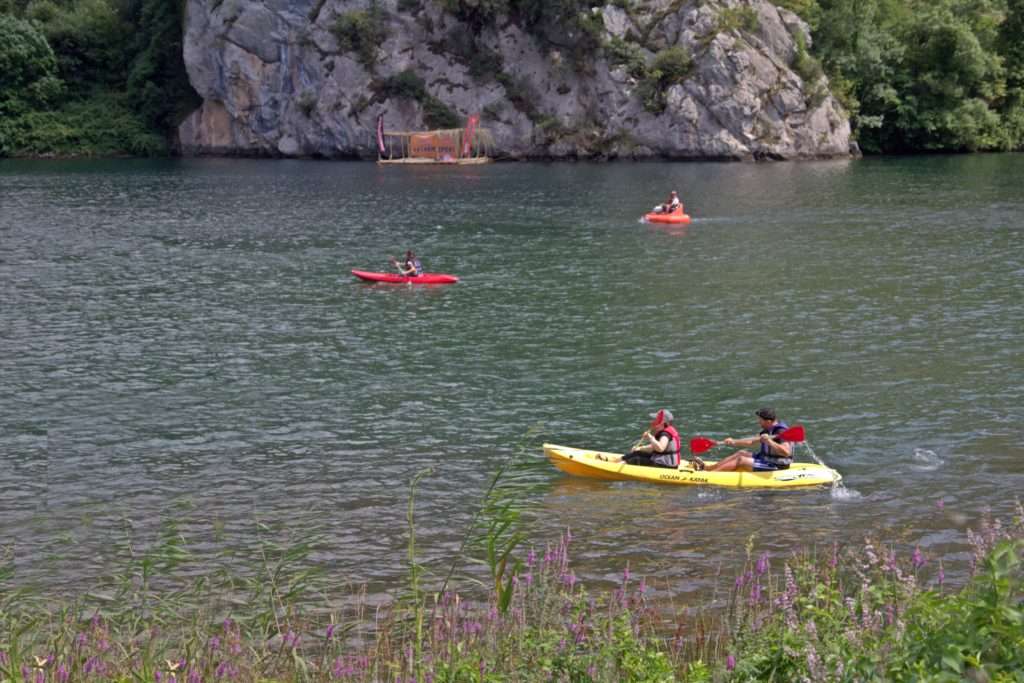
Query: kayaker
{"type": "Point", "coordinates": [663, 444]}
{"type": "Point", "coordinates": [772, 453]}
{"type": "Point", "coordinates": [411, 267]}
{"type": "Point", "coordinates": [671, 205]}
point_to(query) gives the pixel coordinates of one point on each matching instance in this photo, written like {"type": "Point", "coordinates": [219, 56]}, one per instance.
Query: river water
{"type": "Point", "coordinates": [182, 347]}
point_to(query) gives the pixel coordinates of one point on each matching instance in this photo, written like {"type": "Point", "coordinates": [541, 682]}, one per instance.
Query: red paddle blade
{"type": "Point", "coordinates": [794, 433]}
{"type": "Point", "coordinates": [701, 444]}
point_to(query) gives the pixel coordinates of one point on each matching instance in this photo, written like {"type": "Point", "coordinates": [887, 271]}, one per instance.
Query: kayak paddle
{"type": "Point", "coordinates": [701, 444]}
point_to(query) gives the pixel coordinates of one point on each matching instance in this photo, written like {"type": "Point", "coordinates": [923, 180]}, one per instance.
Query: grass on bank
{"type": "Point", "coordinates": [861, 613]}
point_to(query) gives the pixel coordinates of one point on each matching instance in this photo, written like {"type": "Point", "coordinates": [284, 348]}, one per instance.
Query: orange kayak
{"type": "Point", "coordinates": [676, 216]}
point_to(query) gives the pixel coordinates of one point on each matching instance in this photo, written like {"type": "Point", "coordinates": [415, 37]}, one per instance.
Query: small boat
{"type": "Point", "coordinates": [394, 278]}
{"type": "Point", "coordinates": [587, 463]}
{"type": "Point", "coordinates": [676, 216]}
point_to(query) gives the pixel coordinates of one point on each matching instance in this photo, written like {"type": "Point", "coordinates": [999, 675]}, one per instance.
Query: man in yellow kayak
{"type": "Point", "coordinates": [773, 453]}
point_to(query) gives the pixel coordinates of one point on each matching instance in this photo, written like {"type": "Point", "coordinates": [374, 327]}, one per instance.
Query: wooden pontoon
{"type": "Point", "coordinates": [469, 145]}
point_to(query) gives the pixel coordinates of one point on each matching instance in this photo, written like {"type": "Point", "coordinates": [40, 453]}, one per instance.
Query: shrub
{"type": "Point", "coordinates": [403, 84]}
{"type": "Point", "coordinates": [436, 114]}
{"type": "Point", "coordinates": [669, 67]}
{"type": "Point", "coordinates": [361, 31]}
{"type": "Point", "coordinates": [741, 18]}
{"type": "Point", "coordinates": [103, 125]}
{"type": "Point", "coordinates": [627, 53]}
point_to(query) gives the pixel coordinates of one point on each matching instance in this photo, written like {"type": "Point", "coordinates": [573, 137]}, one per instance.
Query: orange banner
{"type": "Point", "coordinates": [433, 146]}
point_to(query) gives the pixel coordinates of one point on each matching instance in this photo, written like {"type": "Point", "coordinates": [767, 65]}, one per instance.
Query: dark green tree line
{"type": "Point", "coordinates": [92, 77]}
{"type": "Point", "coordinates": [924, 75]}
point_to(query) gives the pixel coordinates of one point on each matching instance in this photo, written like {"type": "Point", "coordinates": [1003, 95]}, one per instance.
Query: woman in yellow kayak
{"type": "Point", "coordinates": [662, 447]}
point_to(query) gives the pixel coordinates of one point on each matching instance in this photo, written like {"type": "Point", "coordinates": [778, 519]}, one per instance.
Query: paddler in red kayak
{"type": "Point", "coordinates": [772, 453]}
{"type": "Point", "coordinates": [411, 267]}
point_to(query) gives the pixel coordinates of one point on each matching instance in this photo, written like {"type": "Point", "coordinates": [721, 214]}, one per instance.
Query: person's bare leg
{"type": "Point", "coordinates": [740, 461]}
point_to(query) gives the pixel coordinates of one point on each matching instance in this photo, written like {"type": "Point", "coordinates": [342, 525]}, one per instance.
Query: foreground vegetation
{"type": "Point", "coordinates": [843, 614]}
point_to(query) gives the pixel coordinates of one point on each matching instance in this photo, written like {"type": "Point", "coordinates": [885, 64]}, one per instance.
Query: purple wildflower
{"type": "Point", "coordinates": [730, 663]}
{"type": "Point", "coordinates": [890, 562]}
{"type": "Point", "coordinates": [918, 558]}
{"type": "Point", "coordinates": [869, 551]}
{"type": "Point", "coordinates": [63, 674]}
{"type": "Point", "coordinates": [214, 643]}
{"type": "Point", "coordinates": [3, 658]}
{"type": "Point", "coordinates": [625, 575]}
{"type": "Point", "coordinates": [762, 564]}
{"type": "Point", "coordinates": [940, 503]}
{"type": "Point", "coordinates": [942, 574]}
{"type": "Point", "coordinates": [330, 632]}
{"type": "Point", "coordinates": [531, 557]}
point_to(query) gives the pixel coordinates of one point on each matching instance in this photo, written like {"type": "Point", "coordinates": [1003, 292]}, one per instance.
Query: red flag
{"type": "Point", "coordinates": [380, 133]}
{"type": "Point", "coordinates": [467, 141]}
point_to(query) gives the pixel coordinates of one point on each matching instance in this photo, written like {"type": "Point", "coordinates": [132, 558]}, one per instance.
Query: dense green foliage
{"type": "Point", "coordinates": [91, 77]}
{"type": "Point", "coordinates": [920, 75]}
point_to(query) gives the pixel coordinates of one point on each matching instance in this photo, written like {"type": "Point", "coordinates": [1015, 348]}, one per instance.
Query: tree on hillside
{"type": "Point", "coordinates": [28, 66]}
{"type": "Point", "coordinates": [1011, 47]}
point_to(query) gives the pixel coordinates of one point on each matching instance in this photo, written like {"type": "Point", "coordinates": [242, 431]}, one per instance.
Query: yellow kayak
{"type": "Point", "coordinates": [586, 463]}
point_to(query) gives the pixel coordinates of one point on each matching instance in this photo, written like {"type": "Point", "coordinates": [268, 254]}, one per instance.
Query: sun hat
{"type": "Point", "coordinates": [663, 416]}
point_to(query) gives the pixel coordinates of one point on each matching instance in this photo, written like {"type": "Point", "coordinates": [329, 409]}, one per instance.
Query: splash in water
{"type": "Point", "coordinates": [926, 459]}
{"type": "Point", "coordinates": [839, 491]}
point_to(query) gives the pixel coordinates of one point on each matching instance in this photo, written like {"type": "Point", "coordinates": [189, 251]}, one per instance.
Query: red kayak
{"type": "Point", "coordinates": [424, 279]}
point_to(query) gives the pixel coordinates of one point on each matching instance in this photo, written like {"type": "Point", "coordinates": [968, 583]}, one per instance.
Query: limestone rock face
{"type": "Point", "coordinates": [276, 81]}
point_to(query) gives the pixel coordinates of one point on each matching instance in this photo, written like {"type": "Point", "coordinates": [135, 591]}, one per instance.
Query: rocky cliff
{"type": "Point", "coordinates": [725, 79]}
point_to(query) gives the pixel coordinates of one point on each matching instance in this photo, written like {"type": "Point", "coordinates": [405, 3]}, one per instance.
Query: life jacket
{"type": "Point", "coordinates": [671, 457]}
{"type": "Point", "coordinates": [418, 266]}
{"type": "Point", "coordinates": [765, 453]}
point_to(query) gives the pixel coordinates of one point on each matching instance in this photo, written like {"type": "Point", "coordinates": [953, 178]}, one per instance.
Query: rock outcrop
{"type": "Point", "coordinates": [725, 79]}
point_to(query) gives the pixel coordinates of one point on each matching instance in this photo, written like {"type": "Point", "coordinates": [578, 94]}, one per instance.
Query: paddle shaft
{"type": "Point", "coordinates": [702, 444]}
